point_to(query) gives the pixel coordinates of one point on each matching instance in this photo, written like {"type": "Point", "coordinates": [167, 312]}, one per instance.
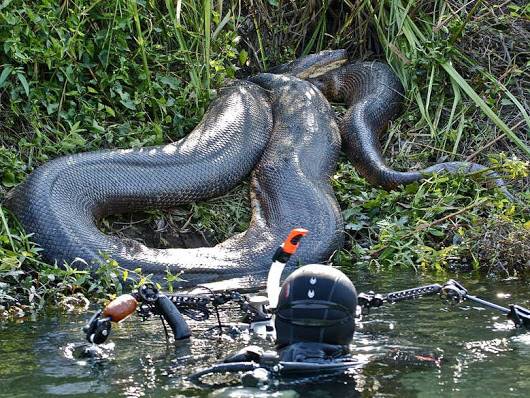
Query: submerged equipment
{"type": "Point", "coordinates": [312, 317]}
{"type": "Point", "coordinates": [148, 301]}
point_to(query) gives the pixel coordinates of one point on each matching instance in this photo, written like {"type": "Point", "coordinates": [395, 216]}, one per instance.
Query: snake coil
{"type": "Point", "coordinates": [278, 126]}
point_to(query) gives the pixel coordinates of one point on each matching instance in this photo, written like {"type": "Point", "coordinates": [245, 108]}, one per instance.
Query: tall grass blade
{"type": "Point", "coordinates": [6, 228]}
{"type": "Point", "coordinates": [260, 44]}
{"type": "Point", "coordinates": [459, 132]}
{"type": "Point", "coordinates": [207, 10]}
{"type": "Point", "coordinates": [175, 15]}
{"type": "Point", "coordinates": [140, 39]}
{"type": "Point", "coordinates": [451, 71]}
{"type": "Point", "coordinates": [221, 25]}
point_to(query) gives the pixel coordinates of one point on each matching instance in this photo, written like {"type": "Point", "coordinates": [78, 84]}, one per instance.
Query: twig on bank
{"type": "Point", "coordinates": [421, 227]}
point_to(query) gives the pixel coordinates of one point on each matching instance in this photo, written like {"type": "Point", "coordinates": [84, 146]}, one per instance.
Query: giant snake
{"type": "Point", "coordinates": [276, 126]}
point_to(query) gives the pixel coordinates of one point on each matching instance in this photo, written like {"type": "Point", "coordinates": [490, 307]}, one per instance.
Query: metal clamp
{"type": "Point", "coordinates": [453, 292]}
{"type": "Point", "coordinates": [519, 315]}
{"type": "Point", "coordinates": [97, 330]}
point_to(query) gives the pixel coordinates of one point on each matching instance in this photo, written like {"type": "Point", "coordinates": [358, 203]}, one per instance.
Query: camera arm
{"type": "Point", "coordinates": [452, 291]}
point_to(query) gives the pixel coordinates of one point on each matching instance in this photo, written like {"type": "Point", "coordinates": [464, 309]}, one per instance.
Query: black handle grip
{"type": "Point", "coordinates": [174, 318]}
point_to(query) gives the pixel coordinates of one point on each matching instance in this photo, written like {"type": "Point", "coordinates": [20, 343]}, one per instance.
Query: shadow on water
{"type": "Point", "coordinates": [422, 348]}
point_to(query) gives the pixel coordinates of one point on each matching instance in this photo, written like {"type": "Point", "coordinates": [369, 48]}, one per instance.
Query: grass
{"type": "Point", "coordinates": [87, 75]}
{"type": "Point", "coordinates": [82, 75]}
{"type": "Point", "coordinates": [396, 30]}
{"type": "Point", "coordinates": [446, 110]}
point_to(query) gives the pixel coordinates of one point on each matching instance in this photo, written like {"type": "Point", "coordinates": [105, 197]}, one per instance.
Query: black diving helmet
{"type": "Point", "coordinates": [317, 303]}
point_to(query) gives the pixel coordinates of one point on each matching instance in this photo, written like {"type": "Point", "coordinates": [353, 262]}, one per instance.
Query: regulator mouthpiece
{"type": "Point", "coordinates": [289, 245]}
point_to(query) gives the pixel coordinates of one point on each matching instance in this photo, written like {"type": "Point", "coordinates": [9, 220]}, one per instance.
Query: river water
{"type": "Point", "coordinates": [422, 348]}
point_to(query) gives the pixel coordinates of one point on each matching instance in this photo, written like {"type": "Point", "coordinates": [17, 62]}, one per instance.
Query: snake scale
{"type": "Point", "coordinates": [276, 126]}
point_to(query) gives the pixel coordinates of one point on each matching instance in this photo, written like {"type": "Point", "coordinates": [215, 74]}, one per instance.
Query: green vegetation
{"type": "Point", "coordinates": [460, 105]}
{"type": "Point", "coordinates": [81, 75]}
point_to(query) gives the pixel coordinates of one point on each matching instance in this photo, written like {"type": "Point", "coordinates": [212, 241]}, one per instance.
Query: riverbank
{"type": "Point", "coordinates": [125, 73]}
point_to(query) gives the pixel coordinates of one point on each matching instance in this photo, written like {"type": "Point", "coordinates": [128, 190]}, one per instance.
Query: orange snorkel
{"type": "Point", "coordinates": [280, 258]}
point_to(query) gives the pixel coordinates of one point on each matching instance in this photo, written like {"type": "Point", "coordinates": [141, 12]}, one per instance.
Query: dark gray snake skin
{"type": "Point", "coordinates": [279, 126]}
{"type": "Point", "coordinates": [374, 96]}
{"type": "Point", "coordinates": [293, 160]}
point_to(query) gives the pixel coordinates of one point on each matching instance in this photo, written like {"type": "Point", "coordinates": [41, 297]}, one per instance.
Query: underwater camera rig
{"type": "Point", "coordinates": [149, 302]}
{"type": "Point", "coordinates": [258, 310]}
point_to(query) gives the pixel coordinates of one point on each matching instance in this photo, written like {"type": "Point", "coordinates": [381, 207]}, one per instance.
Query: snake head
{"type": "Point", "coordinates": [313, 65]}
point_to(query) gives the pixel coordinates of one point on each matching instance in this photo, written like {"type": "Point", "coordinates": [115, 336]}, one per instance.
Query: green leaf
{"type": "Point", "coordinates": [97, 127]}
{"type": "Point", "coordinates": [51, 108]}
{"type": "Point", "coordinates": [436, 232]}
{"type": "Point", "coordinates": [127, 102]}
{"type": "Point", "coordinates": [243, 57]}
{"type": "Point", "coordinates": [110, 111]}
{"type": "Point", "coordinates": [8, 179]}
{"type": "Point", "coordinates": [171, 81]}
{"type": "Point", "coordinates": [73, 141]}
{"type": "Point", "coordinates": [24, 82]}
{"type": "Point", "coordinates": [354, 226]}
{"type": "Point", "coordinates": [5, 74]}
{"type": "Point", "coordinates": [4, 4]}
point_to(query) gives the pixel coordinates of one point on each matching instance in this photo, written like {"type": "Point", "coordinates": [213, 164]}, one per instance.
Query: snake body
{"type": "Point", "coordinates": [280, 127]}
{"type": "Point", "coordinates": [293, 159]}
{"type": "Point", "coordinates": [61, 201]}
{"type": "Point", "coordinates": [374, 96]}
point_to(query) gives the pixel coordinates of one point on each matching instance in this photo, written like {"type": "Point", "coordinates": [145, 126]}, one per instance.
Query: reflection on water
{"type": "Point", "coordinates": [422, 348]}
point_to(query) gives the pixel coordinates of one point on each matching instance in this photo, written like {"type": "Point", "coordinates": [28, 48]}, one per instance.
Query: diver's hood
{"type": "Point", "coordinates": [317, 303]}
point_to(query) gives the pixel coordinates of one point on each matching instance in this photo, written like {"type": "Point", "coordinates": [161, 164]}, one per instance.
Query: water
{"type": "Point", "coordinates": [477, 353]}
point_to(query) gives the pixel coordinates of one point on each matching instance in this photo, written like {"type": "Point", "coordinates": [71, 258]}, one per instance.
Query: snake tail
{"type": "Point", "coordinates": [374, 96]}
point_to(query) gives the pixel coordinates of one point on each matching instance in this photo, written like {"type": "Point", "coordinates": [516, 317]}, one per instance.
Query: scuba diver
{"type": "Point", "coordinates": [311, 317]}
{"type": "Point", "coordinates": [314, 319]}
